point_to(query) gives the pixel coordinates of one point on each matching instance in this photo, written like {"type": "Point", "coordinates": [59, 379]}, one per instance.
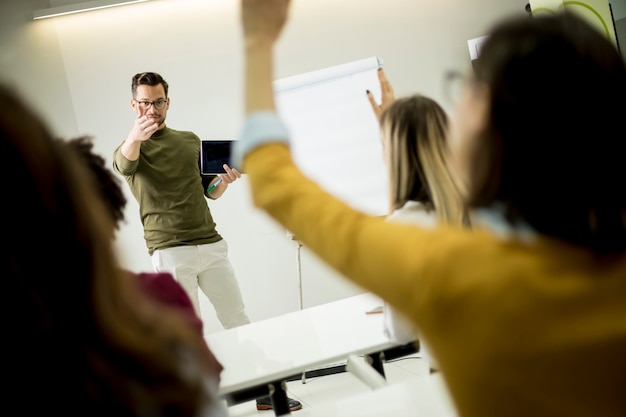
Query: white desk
{"type": "Point", "coordinates": [264, 354]}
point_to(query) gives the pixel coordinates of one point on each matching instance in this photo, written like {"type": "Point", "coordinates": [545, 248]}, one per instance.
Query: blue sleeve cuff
{"type": "Point", "coordinates": [259, 128]}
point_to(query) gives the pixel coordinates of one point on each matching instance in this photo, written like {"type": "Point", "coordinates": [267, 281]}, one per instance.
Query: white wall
{"type": "Point", "coordinates": [76, 71]}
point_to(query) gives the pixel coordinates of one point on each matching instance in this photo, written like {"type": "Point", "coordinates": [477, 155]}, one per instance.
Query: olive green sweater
{"type": "Point", "coordinates": [167, 184]}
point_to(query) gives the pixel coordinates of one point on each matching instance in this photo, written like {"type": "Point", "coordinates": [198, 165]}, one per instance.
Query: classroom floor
{"type": "Point", "coordinates": [319, 390]}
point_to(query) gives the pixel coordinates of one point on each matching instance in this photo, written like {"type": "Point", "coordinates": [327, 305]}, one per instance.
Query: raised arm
{"type": "Point", "coordinates": [263, 21]}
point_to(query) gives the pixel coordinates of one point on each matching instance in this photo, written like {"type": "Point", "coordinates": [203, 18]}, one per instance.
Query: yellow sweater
{"type": "Point", "coordinates": [518, 329]}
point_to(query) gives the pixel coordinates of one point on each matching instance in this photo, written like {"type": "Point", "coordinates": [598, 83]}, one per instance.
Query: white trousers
{"type": "Point", "coordinates": [208, 267]}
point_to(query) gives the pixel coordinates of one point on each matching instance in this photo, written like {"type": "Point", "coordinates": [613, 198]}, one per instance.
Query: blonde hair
{"type": "Point", "coordinates": [414, 133]}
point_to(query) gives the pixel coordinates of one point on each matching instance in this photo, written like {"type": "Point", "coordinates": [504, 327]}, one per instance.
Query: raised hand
{"type": "Point", "coordinates": [263, 19]}
{"type": "Point", "coordinates": [387, 95]}
{"type": "Point", "coordinates": [143, 128]}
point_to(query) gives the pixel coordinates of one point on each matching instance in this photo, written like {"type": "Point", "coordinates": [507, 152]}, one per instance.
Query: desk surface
{"type": "Point", "coordinates": [284, 346]}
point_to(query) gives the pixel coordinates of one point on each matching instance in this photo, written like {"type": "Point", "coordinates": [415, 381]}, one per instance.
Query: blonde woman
{"type": "Point", "coordinates": [414, 131]}
{"type": "Point", "coordinates": [423, 190]}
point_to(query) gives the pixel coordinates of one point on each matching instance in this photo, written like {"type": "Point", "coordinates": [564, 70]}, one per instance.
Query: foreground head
{"type": "Point", "coordinates": [414, 131]}
{"type": "Point", "coordinates": [539, 130]}
{"type": "Point", "coordinates": [55, 205]}
{"type": "Point", "coordinates": [54, 208]}
{"type": "Point", "coordinates": [98, 346]}
{"type": "Point", "coordinates": [107, 182]}
{"type": "Point", "coordinates": [150, 96]}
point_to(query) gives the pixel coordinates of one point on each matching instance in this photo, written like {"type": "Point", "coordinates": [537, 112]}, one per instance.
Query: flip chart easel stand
{"type": "Point", "coordinates": [299, 272]}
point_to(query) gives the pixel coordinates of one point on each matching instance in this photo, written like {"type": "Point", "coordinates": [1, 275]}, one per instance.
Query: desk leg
{"type": "Point", "coordinates": [278, 394]}
{"type": "Point", "coordinates": [376, 360]}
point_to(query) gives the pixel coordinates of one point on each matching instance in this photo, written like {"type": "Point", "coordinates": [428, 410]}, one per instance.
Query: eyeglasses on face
{"type": "Point", "coordinates": [454, 83]}
{"type": "Point", "coordinates": [145, 105]}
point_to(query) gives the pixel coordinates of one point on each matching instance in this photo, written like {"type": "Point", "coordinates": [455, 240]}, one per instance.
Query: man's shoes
{"type": "Point", "coordinates": [265, 403]}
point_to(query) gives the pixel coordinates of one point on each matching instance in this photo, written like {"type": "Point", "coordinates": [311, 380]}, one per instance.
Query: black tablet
{"type": "Point", "coordinates": [213, 155]}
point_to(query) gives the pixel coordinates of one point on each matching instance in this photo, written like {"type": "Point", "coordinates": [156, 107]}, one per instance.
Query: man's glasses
{"type": "Point", "coordinates": [145, 105]}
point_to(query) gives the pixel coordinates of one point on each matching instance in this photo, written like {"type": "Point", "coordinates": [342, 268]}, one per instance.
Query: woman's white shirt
{"type": "Point", "coordinates": [395, 325]}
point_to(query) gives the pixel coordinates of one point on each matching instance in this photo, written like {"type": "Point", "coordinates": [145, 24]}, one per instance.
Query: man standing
{"type": "Point", "coordinates": [160, 165]}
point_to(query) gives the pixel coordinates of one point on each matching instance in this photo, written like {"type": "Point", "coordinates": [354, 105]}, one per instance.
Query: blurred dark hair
{"type": "Point", "coordinates": [106, 181]}
{"type": "Point", "coordinates": [81, 334]}
{"type": "Point", "coordinates": [554, 146]}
